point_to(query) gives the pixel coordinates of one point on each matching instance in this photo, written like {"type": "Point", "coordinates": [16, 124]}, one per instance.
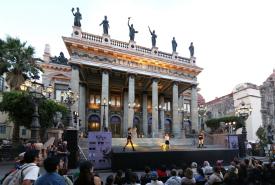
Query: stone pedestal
{"type": "Point", "coordinates": [174, 55]}
{"type": "Point", "coordinates": [154, 50]}
{"type": "Point", "coordinates": [193, 60]}
{"type": "Point", "coordinates": [77, 32]}
{"type": "Point", "coordinates": [55, 132]}
{"type": "Point", "coordinates": [106, 39]}
{"type": "Point", "coordinates": [132, 45]}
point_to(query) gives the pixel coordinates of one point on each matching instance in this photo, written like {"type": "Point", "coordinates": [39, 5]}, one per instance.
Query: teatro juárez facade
{"type": "Point", "coordinates": [122, 85]}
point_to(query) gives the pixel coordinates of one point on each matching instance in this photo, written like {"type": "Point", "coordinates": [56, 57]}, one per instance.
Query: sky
{"type": "Point", "coordinates": [234, 40]}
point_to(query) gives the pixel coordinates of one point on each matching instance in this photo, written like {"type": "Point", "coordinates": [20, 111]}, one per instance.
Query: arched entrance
{"type": "Point", "coordinates": [94, 123]}
{"type": "Point", "coordinates": [115, 124]}
{"type": "Point", "coordinates": [136, 123]}
{"type": "Point", "coordinates": [168, 126]}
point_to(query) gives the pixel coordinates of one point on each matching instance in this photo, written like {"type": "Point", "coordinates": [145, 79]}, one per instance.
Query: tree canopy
{"type": "Point", "coordinates": [214, 124]}
{"type": "Point", "coordinates": [20, 109]}
{"type": "Point", "coordinates": [18, 62]}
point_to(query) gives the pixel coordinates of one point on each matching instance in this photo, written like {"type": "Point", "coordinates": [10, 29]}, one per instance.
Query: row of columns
{"type": "Point", "coordinates": [128, 105]}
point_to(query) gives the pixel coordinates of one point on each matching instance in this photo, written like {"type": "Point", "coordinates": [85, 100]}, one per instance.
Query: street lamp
{"type": "Point", "coordinates": [37, 92]}
{"type": "Point", "coordinates": [69, 98]}
{"type": "Point", "coordinates": [201, 111]}
{"type": "Point", "coordinates": [231, 127]}
{"type": "Point", "coordinates": [76, 115]}
{"type": "Point", "coordinates": [243, 111]}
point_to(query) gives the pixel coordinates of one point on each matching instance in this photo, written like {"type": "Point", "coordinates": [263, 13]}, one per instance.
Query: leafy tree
{"type": "Point", "coordinates": [262, 135]}
{"type": "Point", "coordinates": [214, 124]}
{"type": "Point", "coordinates": [18, 62]}
{"type": "Point", "coordinates": [20, 108]}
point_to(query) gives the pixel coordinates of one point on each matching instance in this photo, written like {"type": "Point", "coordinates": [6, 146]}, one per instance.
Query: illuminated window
{"type": "Point", "coordinates": [115, 101]}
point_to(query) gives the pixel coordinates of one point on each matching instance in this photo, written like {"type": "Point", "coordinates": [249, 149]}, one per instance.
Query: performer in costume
{"type": "Point", "coordinates": [167, 142]}
{"type": "Point", "coordinates": [129, 139]}
{"type": "Point", "coordinates": [201, 139]}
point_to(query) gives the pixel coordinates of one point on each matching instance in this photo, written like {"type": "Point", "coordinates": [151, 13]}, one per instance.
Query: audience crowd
{"type": "Point", "coordinates": [54, 159]}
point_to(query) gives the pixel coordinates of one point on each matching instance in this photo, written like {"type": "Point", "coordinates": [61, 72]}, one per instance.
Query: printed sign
{"type": "Point", "coordinates": [100, 149]}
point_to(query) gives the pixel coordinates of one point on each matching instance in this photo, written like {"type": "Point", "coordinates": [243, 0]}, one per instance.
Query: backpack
{"type": "Point", "coordinates": [15, 177]}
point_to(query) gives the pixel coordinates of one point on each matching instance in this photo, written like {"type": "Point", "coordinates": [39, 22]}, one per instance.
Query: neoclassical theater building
{"type": "Point", "coordinates": [122, 85]}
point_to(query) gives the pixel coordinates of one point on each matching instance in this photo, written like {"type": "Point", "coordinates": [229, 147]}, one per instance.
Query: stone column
{"type": "Point", "coordinates": [155, 120]}
{"type": "Point", "coordinates": [131, 100]}
{"type": "Point", "coordinates": [194, 108]}
{"type": "Point", "coordinates": [144, 114]}
{"type": "Point", "coordinates": [181, 115]}
{"type": "Point", "coordinates": [104, 116]}
{"type": "Point", "coordinates": [82, 105]}
{"type": "Point", "coordinates": [74, 85]}
{"type": "Point", "coordinates": [162, 117]}
{"type": "Point", "coordinates": [176, 123]}
{"type": "Point", "coordinates": [125, 113]}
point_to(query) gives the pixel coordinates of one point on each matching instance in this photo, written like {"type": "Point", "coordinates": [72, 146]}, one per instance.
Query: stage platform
{"type": "Point", "coordinates": [153, 156]}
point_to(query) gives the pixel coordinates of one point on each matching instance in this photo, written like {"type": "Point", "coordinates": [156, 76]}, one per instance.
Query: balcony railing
{"type": "Point", "coordinates": [138, 49]}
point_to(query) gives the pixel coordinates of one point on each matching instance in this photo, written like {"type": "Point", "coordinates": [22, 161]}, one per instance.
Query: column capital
{"type": "Point", "coordinates": [175, 83]}
{"type": "Point", "coordinates": [105, 71]}
{"type": "Point", "coordinates": [194, 85]}
{"type": "Point", "coordinates": [75, 66]}
{"type": "Point", "coordinates": [155, 80]}
{"type": "Point", "coordinates": [131, 75]}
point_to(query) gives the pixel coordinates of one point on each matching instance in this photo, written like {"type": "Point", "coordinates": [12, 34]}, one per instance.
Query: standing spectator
{"type": "Point", "coordinates": [154, 179]}
{"type": "Point", "coordinates": [231, 177]}
{"type": "Point", "coordinates": [51, 177]}
{"type": "Point", "coordinates": [173, 179]}
{"type": "Point", "coordinates": [134, 179]}
{"type": "Point", "coordinates": [146, 177]}
{"type": "Point", "coordinates": [31, 170]}
{"type": "Point", "coordinates": [188, 179]}
{"type": "Point", "coordinates": [249, 149]}
{"type": "Point", "coordinates": [62, 153]}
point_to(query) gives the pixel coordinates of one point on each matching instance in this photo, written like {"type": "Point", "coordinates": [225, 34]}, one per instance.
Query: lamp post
{"type": "Point", "coordinates": [202, 110]}
{"type": "Point", "coordinates": [37, 92]}
{"type": "Point", "coordinates": [243, 111]}
{"type": "Point", "coordinates": [76, 115]}
{"type": "Point", "coordinates": [69, 98]}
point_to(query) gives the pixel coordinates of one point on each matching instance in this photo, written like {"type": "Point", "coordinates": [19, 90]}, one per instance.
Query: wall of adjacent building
{"type": "Point", "coordinates": [250, 95]}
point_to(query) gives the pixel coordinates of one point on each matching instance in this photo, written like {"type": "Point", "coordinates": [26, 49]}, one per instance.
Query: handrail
{"type": "Point", "coordinates": [138, 49]}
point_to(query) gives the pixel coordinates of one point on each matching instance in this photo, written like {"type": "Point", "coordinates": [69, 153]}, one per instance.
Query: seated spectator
{"type": "Point", "coordinates": [154, 179]}
{"type": "Point", "coordinates": [207, 169]}
{"type": "Point", "coordinates": [188, 179]}
{"type": "Point", "coordinates": [63, 173]}
{"type": "Point", "coordinates": [110, 180]}
{"type": "Point", "coordinates": [134, 179]}
{"type": "Point", "coordinates": [180, 173]}
{"type": "Point", "coordinates": [127, 177]}
{"type": "Point", "coordinates": [173, 179]}
{"type": "Point", "coordinates": [118, 178]}
{"type": "Point", "coordinates": [194, 166]}
{"type": "Point", "coordinates": [51, 177]}
{"type": "Point", "coordinates": [162, 174]}
{"type": "Point", "coordinates": [146, 177]}
{"type": "Point", "coordinates": [216, 177]}
{"type": "Point", "coordinates": [86, 176]}
{"type": "Point", "coordinates": [200, 177]}
{"type": "Point", "coordinates": [231, 177]}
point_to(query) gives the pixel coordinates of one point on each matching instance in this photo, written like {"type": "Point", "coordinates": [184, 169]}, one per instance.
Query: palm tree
{"type": "Point", "coordinates": [18, 62]}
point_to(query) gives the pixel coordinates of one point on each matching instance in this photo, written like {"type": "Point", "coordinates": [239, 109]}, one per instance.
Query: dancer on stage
{"type": "Point", "coordinates": [167, 142]}
{"type": "Point", "coordinates": [201, 140]}
{"type": "Point", "coordinates": [129, 139]}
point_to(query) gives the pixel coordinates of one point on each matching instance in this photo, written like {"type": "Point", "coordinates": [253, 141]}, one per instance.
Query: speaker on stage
{"type": "Point", "coordinates": [71, 136]}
